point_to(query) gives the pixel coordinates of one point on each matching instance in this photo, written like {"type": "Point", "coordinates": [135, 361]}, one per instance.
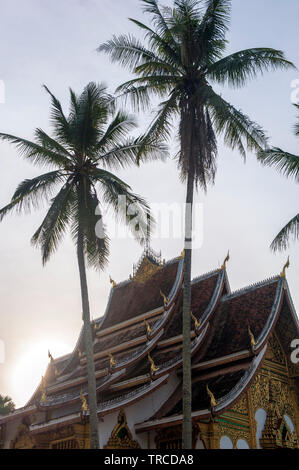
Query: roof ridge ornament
{"type": "Point", "coordinates": [286, 266]}
{"type": "Point", "coordinates": [112, 361]}
{"type": "Point", "coordinates": [84, 406]}
{"type": "Point", "coordinates": [223, 267]}
{"type": "Point", "coordinates": [112, 282]}
{"type": "Point", "coordinates": [44, 391]}
{"type": "Point", "coordinates": [154, 368]}
{"type": "Point", "coordinates": [252, 339]}
{"type": "Point", "coordinates": [213, 401]}
{"type": "Point", "coordinates": [165, 299]}
{"type": "Point", "coordinates": [197, 323]}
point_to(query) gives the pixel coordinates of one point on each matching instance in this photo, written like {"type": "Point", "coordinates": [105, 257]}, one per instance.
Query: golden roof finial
{"type": "Point", "coordinates": [183, 253]}
{"type": "Point", "coordinates": [165, 299]}
{"type": "Point", "coordinates": [225, 261]}
{"type": "Point", "coordinates": [84, 406]}
{"type": "Point", "coordinates": [252, 338]}
{"type": "Point", "coordinates": [79, 353]}
{"type": "Point", "coordinates": [50, 356]}
{"type": "Point", "coordinates": [148, 328]}
{"type": "Point", "coordinates": [153, 367]}
{"type": "Point", "coordinates": [112, 360]}
{"type": "Point", "coordinates": [287, 265]}
{"type": "Point", "coordinates": [96, 326]}
{"type": "Point", "coordinates": [112, 282]}
{"type": "Point", "coordinates": [196, 322]}
{"type": "Point", "coordinates": [212, 398]}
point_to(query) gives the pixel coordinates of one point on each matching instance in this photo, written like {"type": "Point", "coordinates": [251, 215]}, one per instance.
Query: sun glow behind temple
{"type": "Point", "coordinates": [27, 373]}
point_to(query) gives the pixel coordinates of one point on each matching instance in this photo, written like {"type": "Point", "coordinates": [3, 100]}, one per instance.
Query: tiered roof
{"type": "Point", "coordinates": [142, 330]}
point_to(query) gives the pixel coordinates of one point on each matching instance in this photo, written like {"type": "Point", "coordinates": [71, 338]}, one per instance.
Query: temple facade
{"type": "Point", "coordinates": [245, 386]}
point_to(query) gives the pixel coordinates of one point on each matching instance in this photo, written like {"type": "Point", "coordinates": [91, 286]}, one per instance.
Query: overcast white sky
{"type": "Point", "coordinates": [51, 42]}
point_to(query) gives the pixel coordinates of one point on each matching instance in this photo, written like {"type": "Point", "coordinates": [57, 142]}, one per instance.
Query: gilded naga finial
{"type": "Point", "coordinates": [252, 338]}
{"type": "Point", "coordinates": [183, 253]}
{"type": "Point", "coordinates": [112, 360]}
{"type": "Point", "coordinates": [96, 326]}
{"type": "Point", "coordinates": [79, 353]}
{"type": "Point", "coordinates": [165, 299]}
{"type": "Point", "coordinates": [212, 398]}
{"type": "Point", "coordinates": [286, 266]}
{"type": "Point", "coordinates": [50, 356]}
{"type": "Point", "coordinates": [84, 406]}
{"type": "Point", "coordinates": [153, 367]}
{"type": "Point", "coordinates": [148, 328]}
{"type": "Point", "coordinates": [196, 322]}
{"type": "Point", "coordinates": [112, 282]}
{"type": "Point", "coordinates": [225, 261]}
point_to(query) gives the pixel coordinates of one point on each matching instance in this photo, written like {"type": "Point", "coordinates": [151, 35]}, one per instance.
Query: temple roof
{"type": "Point", "coordinates": [138, 341]}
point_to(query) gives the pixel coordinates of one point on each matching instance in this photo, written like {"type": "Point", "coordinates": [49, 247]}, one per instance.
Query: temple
{"type": "Point", "coordinates": [244, 383]}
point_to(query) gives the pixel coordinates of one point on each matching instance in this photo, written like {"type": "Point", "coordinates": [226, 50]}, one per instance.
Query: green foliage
{"type": "Point", "coordinates": [181, 56]}
{"type": "Point", "coordinates": [287, 164]}
{"type": "Point", "coordinates": [6, 405]}
{"type": "Point", "coordinates": [90, 139]}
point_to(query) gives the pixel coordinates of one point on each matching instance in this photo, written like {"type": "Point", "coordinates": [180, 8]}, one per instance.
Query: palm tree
{"type": "Point", "coordinates": [86, 142]}
{"type": "Point", "coordinates": [287, 164]}
{"type": "Point", "coordinates": [6, 405]}
{"type": "Point", "coordinates": [182, 56]}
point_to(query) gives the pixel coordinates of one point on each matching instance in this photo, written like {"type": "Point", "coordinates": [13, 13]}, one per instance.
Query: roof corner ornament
{"type": "Point", "coordinates": [51, 362]}
{"type": "Point", "coordinates": [223, 267]}
{"type": "Point", "coordinates": [44, 391]}
{"type": "Point", "coordinates": [112, 282]}
{"type": "Point", "coordinates": [197, 323]}
{"type": "Point", "coordinates": [183, 253]}
{"type": "Point", "coordinates": [252, 339]}
{"type": "Point", "coordinates": [79, 353]}
{"type": "Point", "coordinates": [84, 406]}
{"type": "Point", "coordinates": [111, 361]}
{"type": "Point", "coordinates": [96, 326]}
{"type": "Point", "coordinates": [165, 299]}
{"type": "Point", "coordinates": [213, 401]}
{"type": "Point", "coordinates": [286, 266]}
{"type": "Point", "coordinates": [148, 329]}
{"type": "Point", "coordinates": [50, 356]}
{"type": "Point", "coordinates": [153, 368]}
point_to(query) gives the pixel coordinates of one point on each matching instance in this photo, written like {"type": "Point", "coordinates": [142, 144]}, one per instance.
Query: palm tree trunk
{"type": "Point", "coordinates": [92, 396]}
{"type": "Point", "coordinates": [187, 384]}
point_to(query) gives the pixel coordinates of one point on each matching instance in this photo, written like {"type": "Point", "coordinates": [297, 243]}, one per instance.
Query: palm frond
{"type": "Point", "coordinates": [37, 154]}
{"type": "Point", "coordinates": [281, 241]}
{"type": "Point", "coordinates": [51, 231]}
{"type": "Point", "coordinates": [238, 130]}
{"type": "Point", "coordinates": [285, 163]}
{"type": "Point", "coordinates": [117, 130]}
{"type": "Point", "coordinates": [237, 68]}
{"type": "Point", "coordinates": [32, 192]}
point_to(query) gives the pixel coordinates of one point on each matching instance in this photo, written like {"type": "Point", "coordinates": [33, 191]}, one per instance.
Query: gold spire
{"type": "Point", "coordinates": [112, 282]}
{"type": "Point", "coordinates": [166, 299]}
{"type": "Point", "coordinates": [252, 338]}
{"type": "Point", "coordinates": [44, 390]}
{"type": "Point", "coordinates": [153, 367]}
{"type": "Point", "coordinates": [148, 328]}
{"type": "Point", "coordinates": [196, 322]}
{"type": "Point", "coordinates": [225, 261]}
{"type": "Point", "coordinates": [112, 360]}
{"type": "Point", "coordinates": [84, 406]}
{"type": "Point", "coordinates": [287, 265]}
{"type": "Point", "coordinates": [212, 398]}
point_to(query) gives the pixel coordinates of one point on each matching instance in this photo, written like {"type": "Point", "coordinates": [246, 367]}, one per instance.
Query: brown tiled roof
{"type": "Point", "coordinates": [229, 326]}
{"type": "Point", "coordinates": [133, 298]}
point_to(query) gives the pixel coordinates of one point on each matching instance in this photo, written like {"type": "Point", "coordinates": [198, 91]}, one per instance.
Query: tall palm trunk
{"type": "Point", "coordinates": [187, 385]}
{"type": "Point", "coordinates": [92, 397]}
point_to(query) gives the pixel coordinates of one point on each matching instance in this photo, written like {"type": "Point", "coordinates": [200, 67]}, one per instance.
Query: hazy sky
{"type": "Point", "coordinates": [53, 42]}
